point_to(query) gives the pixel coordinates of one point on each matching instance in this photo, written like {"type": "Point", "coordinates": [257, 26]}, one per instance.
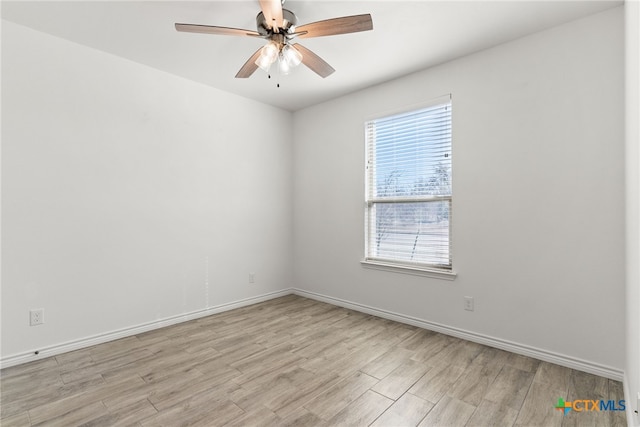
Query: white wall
{"type": "Point", "coordinates": [118, 182]}
{"type": "Point", "coordinates": [116, 178]}
{"type": "Point", "coordinates": [538, 216]}
{"type": "Point", "coordinates": [632, 156]}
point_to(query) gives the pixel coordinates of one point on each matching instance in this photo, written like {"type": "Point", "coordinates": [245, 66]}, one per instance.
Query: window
{"type": "Point", "coordinates": [408, 188]}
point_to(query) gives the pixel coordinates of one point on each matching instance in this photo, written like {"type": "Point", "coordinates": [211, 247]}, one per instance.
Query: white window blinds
{"type": "Point", "coordinates": [408, 194]}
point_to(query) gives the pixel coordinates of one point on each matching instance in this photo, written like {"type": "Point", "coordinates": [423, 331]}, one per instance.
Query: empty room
{"type": "Point", "coordinates": [320, 213]}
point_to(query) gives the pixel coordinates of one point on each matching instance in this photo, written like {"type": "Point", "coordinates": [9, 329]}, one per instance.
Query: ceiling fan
{"type": "Point", "coordinates": [278, 26]}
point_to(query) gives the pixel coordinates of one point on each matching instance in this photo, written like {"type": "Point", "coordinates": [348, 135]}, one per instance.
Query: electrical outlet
{"type": "Point", "coordinates": [252, 277]}
{"type": "Point", "coordinates": [36, 317]}
{"type": "Point", "coordinates": [468, 303]}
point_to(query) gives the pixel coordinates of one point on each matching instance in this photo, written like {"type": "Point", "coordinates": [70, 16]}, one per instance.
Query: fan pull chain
{"type": "Point", "coordinates": [277, 83]}
{"type": "Point", "coordinates": [277, 77]}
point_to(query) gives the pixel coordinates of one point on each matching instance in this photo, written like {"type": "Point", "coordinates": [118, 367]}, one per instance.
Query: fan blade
{"type": "Point", "coordinates": [272, 11]}
{"type": "Point", "coordinates": [313, 61]}
{"type": "Point", "coordinates": [249, 67]}
{"type": "Point", "coordinates": [209, 29]}
{"type": "Point", "coordinates": [330, 27]}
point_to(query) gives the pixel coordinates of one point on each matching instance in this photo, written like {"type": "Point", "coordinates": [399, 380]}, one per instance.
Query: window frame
{"type": "Point", "coordinates": [397, 265]}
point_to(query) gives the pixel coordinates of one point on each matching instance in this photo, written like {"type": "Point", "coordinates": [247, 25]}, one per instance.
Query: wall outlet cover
{"type": "Point", "coordinates": [36, 317]}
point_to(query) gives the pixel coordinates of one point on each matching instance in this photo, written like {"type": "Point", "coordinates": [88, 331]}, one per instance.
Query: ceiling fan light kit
{"type": "Point", "coordinates": [278, 49]}
{"type": "Point", "coordinates": [278, 27]}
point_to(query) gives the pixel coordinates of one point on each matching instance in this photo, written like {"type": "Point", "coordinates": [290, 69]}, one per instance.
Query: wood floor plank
{"type": "Point", "coordinates": [331, 359]}
{"type": "Point", "coordinates": [115, 349]}
{"type": "Point", "coordinates": [523, 363]}
{"type": "Point", "coordinates": [75, 360]}
{"type": "Point", "coordinates": [213, 385]}
{"type": "Point", "coordinates": [68, 416]}
{"type": "Point", "coordinates": [258, 369]}
{"type": "Point", "coordinates": [199, 410]}
{"type": "Point", "coordinates": [146, 390]}
{"type": "Point", "coordinates": [356, 359]}
{"type": "Point", "coordinates": [119, 360]}
{"type": "Point", "coordinates": [18, 420]}
{"type": "Point", "coordinates": [431, 346]}
{"type": "Point", "coordinates": [537, 409]}
{"type": "Point", "coordinates": [401, 379]}
{"type": "Point", "coordinates": [409, 410]}
{"type": "Point", "coordinates": [369, 337]}
{"type": "Point", "coordinates": [260, 416]}
{"type": "Point", "coordinates": [15, 387]}
{"type": "Point", "coordinates": [319, 347]}
{"type": "Point", "coordinates": [301, 418]}
{"type": "Point", "coordinates": [238, 353]}
{"type": "Point", "coordinates": [333, 400]}
{"type": "Point", "coordinates": [510, 387]}
{"type": "Point", "coordinates": [419, 338]}
{"type": "Point", "coordinates": [293, 361]}
{"type": "Point", "coordinates": [363, 411]}
{"type": "Point", "coordinates": [174, 364]}
{"type": "Point", "coordinates": [305, 393]}
{"type": "Point", "coordinates": [448, 412]}
{"type": "Point", "coordinates": [284, 392]}
{"type": "Point", "coordinates": [386, 363]}
{"type": "Point", "coordinates": [266, 356]}
{"type": "Point", "coordinates": [58, 408]}
{"type": "Point", "coordinates": [490, 414]}
{"type": "Point", "coordinates": [125, 416]}
{"type": "Point", "coordinates": [353, 322]}
{"type": "Point", "coordinates": [436, 382]}
{"type": "Point", "coordinates": [555, 376]}
{"type": "Point", "coordinates": [289, 376]}
{"type": "Point", "coordinates": [473, 383]}
{"type": "Point", "coordinates": [42, 396]}
{"type": "Point", "coordinates": [254, 400]}
{"type": "Point", "coordinates": [458, 352]}
{"type": "Point", "coordinates": [34, 367]}
{"type": "Point", "coordinates": [351, 361]}
{"type": "Point", "coordinates": [491, 357]}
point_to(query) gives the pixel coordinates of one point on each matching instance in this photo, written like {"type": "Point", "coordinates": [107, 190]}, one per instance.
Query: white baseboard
{"type": "Point", "coordinates": [54, 350]}
{"type": "Point", "coordinates": [536, 353]}
{"type": "Point", "coordinates": [547, 356]}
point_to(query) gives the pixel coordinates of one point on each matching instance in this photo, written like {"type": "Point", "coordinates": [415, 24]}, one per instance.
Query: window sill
{"type": "Point", "coordinates": [409, 269]}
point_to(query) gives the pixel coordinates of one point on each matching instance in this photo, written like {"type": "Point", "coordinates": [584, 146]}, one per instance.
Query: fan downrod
{"type": "Point", "coordinates": [266, 30]}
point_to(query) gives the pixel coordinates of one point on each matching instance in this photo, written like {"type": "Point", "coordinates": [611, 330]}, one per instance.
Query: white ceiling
{"type": "Point", "coordinates": [408, 36]}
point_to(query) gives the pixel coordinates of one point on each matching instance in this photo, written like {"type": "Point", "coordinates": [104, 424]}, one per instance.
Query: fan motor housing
{"type": "Point", "coordinates": [289, 20]}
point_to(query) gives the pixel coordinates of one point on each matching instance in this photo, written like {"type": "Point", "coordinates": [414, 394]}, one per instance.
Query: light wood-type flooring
{"type": "Point", "coordinates": [293, 361]}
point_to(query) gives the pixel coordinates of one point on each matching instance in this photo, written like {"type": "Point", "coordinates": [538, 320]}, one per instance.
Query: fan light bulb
{"type": "Point", "coordinates": [291, 56]}
{"type": "Point", "coordinates": [285, 67]}
{"type": "Point", "coordinates": [268, 55]}
{"type": "Point", "coordinates": [263, 63]}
